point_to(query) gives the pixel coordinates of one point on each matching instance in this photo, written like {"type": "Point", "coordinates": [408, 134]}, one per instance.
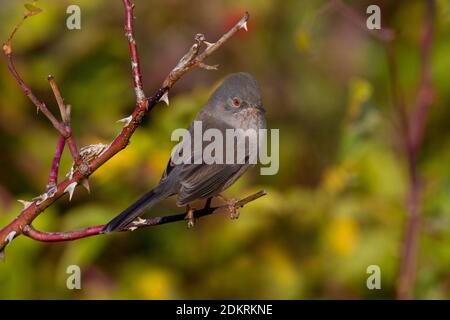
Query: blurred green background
{"type": "Point", "coordinates": [335, 207]}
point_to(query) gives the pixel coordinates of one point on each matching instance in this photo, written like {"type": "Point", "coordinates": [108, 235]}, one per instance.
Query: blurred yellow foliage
{"type": "Point", "coordinates": [359, 92]}
{"type": "Point", "coordinates": [154, 284]}
{"type": "Point", "coordinates": [342, 235]}
{"type": "Point", "coordinates": [302, 40]}
{"type": "Point", "coordinates": [336, 179]}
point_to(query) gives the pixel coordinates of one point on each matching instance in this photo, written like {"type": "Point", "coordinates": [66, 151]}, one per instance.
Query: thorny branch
{"type": "Point", "coordinates": [86, 164]}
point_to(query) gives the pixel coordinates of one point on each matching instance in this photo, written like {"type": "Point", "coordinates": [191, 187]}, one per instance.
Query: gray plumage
{"type": "Point", "coordinates": [235, 104]}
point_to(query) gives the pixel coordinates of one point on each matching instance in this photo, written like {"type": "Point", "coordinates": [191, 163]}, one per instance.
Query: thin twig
{"type": "Point", "coordinates": [383, 34]}
{"type": "Point", "coordinates": [31, 232]}
{"type": "Point", "coordinates": [413, 128]}
{"type": "Point", "coordinates": [194, 59]}
{"type": "Point", "coordinates": [417, 124]}
{"type": "Point", "coordinates": [26, 89]}
{"type": "Point", "coordinates": [135, 66]}
{"type": "Point", "coordinates": [59, 99]}
{"type": "Point", "coordinates": [65, 116]}
{"type": "Point", "coordinates": [53, 176]}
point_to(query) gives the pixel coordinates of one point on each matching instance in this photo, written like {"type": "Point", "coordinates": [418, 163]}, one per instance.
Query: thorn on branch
{"type": "Point", "coordinates": [126, 121]}
{"type": "Point", "coordinates": [25, 203]}
{"type": "Point", "coordinates": [165, 98]}
{"type": "Point", "coordinates": [70, 189]}
{"type": "Point", "coordinates": [10, 236]}
{"type": "Point", "coordinates": [85, 184]}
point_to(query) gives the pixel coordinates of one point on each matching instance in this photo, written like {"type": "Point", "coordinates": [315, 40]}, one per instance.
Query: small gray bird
{"type": "Point", "coordinates": [235, 104]}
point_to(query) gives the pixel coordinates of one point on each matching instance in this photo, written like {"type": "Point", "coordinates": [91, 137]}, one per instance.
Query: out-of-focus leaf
{"type": "Point", "coordinates": [32, 9]}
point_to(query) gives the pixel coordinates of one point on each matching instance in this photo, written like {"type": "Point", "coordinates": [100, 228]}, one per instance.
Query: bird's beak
{"type": "Point", "coordinates": [259, 107]}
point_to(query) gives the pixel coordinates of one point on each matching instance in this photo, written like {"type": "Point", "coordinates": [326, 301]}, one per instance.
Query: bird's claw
{"type": "Point", "coordinates": [234, 213]}
{"type": "Point", "coordinates": [190, 218]}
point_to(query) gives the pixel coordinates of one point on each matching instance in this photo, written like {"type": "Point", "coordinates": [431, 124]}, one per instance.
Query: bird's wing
{"type": "Point", "coordinates": [198, 181]}
{"type": "Point", "coordinates": [203, 181]}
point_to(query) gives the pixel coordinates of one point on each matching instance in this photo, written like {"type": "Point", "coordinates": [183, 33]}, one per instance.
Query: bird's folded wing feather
{"type": "Point", "coordinates": [202, 180]}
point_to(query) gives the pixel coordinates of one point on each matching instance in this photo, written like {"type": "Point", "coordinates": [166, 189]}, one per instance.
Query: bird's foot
{"type": "Point", "coordinates": [190, 217]}
{"type": "Point", "coordinates": [232, 209]}
{"type": "Point", "coordinates": [234, 213]}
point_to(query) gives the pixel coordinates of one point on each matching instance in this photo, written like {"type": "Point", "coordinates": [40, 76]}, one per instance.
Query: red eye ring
{"type": "Point", "coordinates": [236, 102]}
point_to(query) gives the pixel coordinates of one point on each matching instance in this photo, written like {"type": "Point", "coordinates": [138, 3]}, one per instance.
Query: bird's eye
{"type": "Point", "coordinates": [236, 102]}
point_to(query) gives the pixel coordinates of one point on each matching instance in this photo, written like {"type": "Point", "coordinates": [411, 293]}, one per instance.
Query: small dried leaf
{"type": "Point", "coordinates": [32, 9]}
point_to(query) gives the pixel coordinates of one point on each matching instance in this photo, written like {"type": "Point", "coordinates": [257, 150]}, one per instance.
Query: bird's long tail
{"type": "Point", "coordinates": [135, 210]}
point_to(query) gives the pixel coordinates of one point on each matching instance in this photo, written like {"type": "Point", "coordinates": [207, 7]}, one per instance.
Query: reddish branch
{"type": "Point", "coordinates": [63, 128]}
{"type": "Point", "coordinates": [359, 21]}
{"type": "Point", "coordinates": [414, 137]}
{"type": "Point", "coordinates": [413, 125]}
{"type": "Point", "coordinates": [135, 66]}
{"type": "Point", "coordinates": [53, 176]}
{"type": "Point", "coordinates": [31, 232]}
{"type": "Point", "coordinates": [194, 58]}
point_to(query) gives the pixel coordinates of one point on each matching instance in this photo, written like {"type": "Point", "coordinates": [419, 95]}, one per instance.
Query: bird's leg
{"type": "Point", "coordinates": [190, 216]}
{"type": "Point", "coordinates": [208, 204]}
{"type": "Point", "coordinates": [231, 202]}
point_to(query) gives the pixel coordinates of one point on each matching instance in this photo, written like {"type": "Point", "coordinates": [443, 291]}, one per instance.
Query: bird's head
{"type": "Point", "coordinates": [238, 93]}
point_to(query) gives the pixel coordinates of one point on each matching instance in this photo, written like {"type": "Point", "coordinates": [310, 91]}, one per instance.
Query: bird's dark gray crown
{"type": "Point", "coordinates": [242, 85]}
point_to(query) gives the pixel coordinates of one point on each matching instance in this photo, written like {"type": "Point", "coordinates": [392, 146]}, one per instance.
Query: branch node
{"type": "Point", "coordinates": [41, 198]}
{"type": "Point", "coordinates": [7, 49]}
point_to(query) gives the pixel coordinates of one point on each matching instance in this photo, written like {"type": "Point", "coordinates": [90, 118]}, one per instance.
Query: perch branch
{"type": "Point", "coordinates": [33, 209]}
{"type": "Point", "coordinates": [31, 232]}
